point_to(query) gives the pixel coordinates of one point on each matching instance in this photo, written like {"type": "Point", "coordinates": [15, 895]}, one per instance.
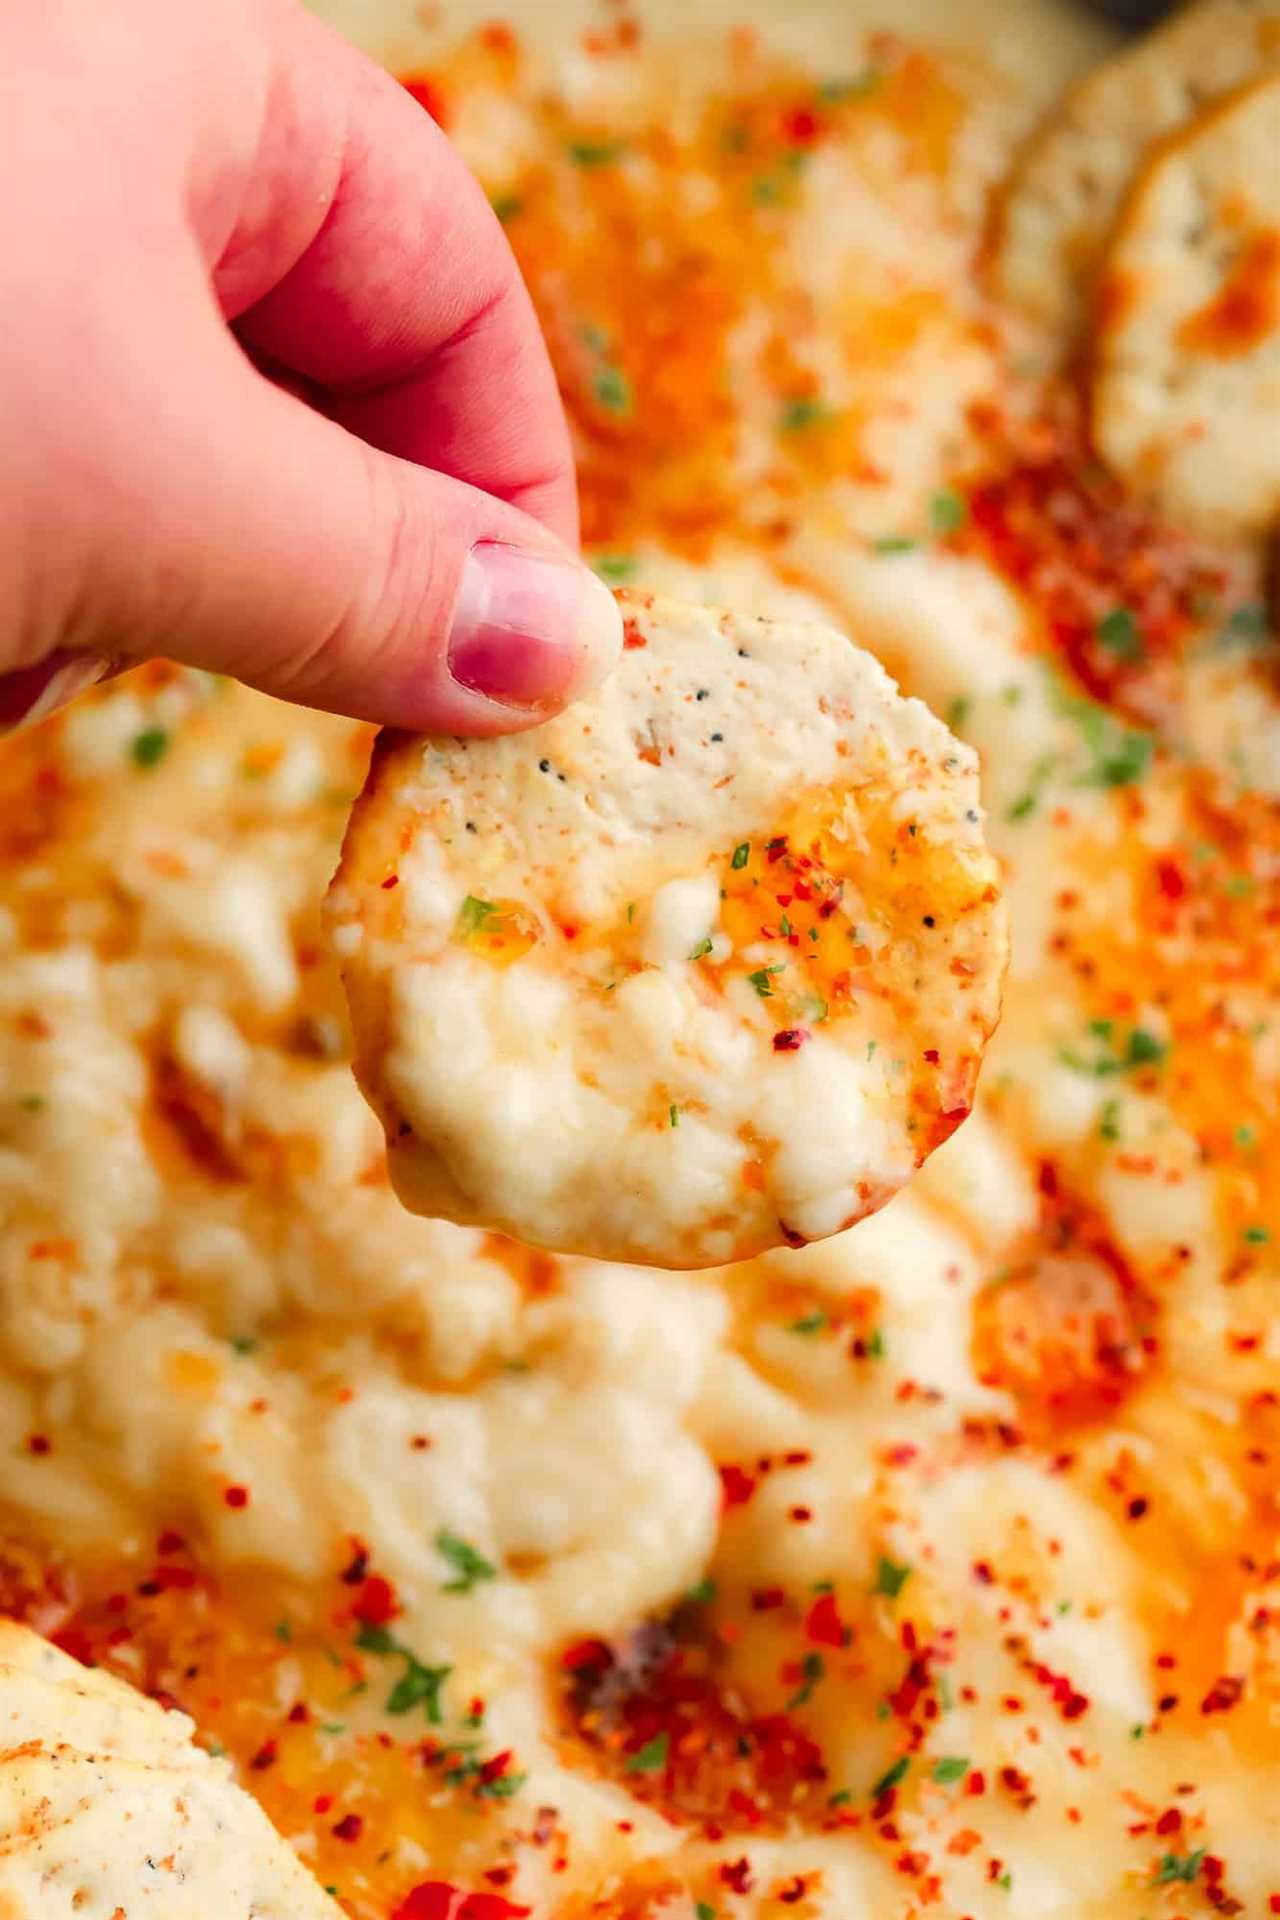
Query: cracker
{"type": "Point", "coordinates": [107, 1808]}
{"type": "Point", "coordinates": [703, 966]}
{"type": "Point", "coordinates": [1059, 207]}
{"type": "Point", "coordinates": [1186, 372]}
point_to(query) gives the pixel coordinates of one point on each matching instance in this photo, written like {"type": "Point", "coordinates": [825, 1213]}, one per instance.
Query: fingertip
{"type": "Point", "coordinates": [530, 631]}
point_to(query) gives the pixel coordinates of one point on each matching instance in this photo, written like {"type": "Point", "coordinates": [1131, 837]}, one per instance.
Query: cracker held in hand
{"type": "Point", "coordinates": [703, 966]}
{"type": "Point", "coordinates": [1072, 180]}
{"type": "Point", "coordinates": [1186, 379]}
{"type": "Point", "coordinates": [107, 1809]}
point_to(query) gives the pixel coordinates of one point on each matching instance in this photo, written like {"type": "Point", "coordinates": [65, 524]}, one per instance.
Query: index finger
{"type": "Point", "coordinates": [366, 261]}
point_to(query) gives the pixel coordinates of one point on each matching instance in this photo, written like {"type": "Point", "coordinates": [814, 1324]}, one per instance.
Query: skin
{"type": "Point", "coordinates": [268, 376]}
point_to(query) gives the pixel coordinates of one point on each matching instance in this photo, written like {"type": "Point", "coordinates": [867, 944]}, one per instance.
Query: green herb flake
{"type": "Point", "coordinates": [470, 1567]}
{"type": "Point", "coordinates": [284, 1631]}
{"type": "Point", "coordinates": [1109, 1121]}
{"type": "Point", "coordinates": [760, 980]}
{"type": "Point", "coordinates": [612, 390]}
{"type": "Point", "coordinates": [1246, 626]}
{"type": "Point", "coordinates": [1257, 1236]}
{"type": "Point", "coordinates": [892, 1776]}
{"type": "Point", "coordinates": [702, 949]}
{"type": "Point", "coordinates": [501, 1788]}
{"type": "Point", "coordinates": [741, 855]}
{"type": "Point", "coordinates": [673, 1115]}
{"type": "Point", "coordinates": [507, 206]}
{"type": "Point", "coordinates": [1175, 1866]}
{"type": "Point", "coordinates": [875, 1344]}
{"type": "Point", "coordinates": [813, 1669]}
{"type": "Point", "coordinates": [473, 915]}
{"type": "Point", "coordinates": [856, 87]}
{"type": "Point", "coordinates": [894, 543]}
{"type": "Point", "coordinates": [948, 511]}
{"type": "Point", "coordinates": [615, 567]}
{"type": "Point", "coordinates": [596, 153]}
{"type": "Point", "coordinates": [812, 1322]}
{"type": "Point", "coordinates": [798, 414]}
{"type": "Point", "coordinates": [31, 1102]}
{"type": "Point", "coordinates": [244, 1343]}
{"type": "Point", "coordinates": [1142, 1049]}
{"type": "Point", "coordinates": [150, 746]}
{"type": "Point", "coordinates": [418, 1686]}
{"type": "Point", "coordinates": [1117, 631]}
{"type": "Point", "coordinates": [949, 1769]}
{"type": "Point", "coordinates": [703, 1594]}
{"type": "Point", "coordinates": [891, 1577]}
{"type": "Point", "coordinates": [1005, 1881]}
{"type": "Point", "coordinates": [703, 1910]}
{"type": "Point", "coordinates": [651, 1758]}
{"type": "Point", "coordinates": [958, 712]}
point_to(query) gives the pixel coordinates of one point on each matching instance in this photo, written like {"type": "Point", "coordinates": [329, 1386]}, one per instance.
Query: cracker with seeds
{"type": "Point", "coordinates": [703, 966]}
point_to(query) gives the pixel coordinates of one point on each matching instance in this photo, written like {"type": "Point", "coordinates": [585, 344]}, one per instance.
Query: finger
{"type": "Point", "coordinates": [357, 581]}
{"type": "Point", "coordinates": [368, 261]}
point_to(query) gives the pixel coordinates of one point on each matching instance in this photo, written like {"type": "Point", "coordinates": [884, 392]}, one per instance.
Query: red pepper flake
{"type": "Point", "coordinates": [585, 1655]}
{"type": "Point", "coordinates": [801, 126]}
{"type": "Point", "coordinates": [495, 1768]}
{"type": "Point", "coordinates": [823, 1625]}
{"type": "Point", "coordinates": [976, 1784]}
{"type": "Point", "coordinates": [736, 1487]}
{"type": "Point", "coordinates": [1137, 1507]}
{"type": "Point", "coordinates": [377, 1604]}
{"type": "Point", "coordinates": [39, 1443]}
{"type": "Point", "coordinates": [170, 1542]}
{"type": "Point", "coordinates": [801, 1515]}
{"type": "Point", "coordinates": [236, 1498]}
{"type": "Point", "coordinates": [438, 1900]}
{"type": "Point", "coordinates": [1225, 1693]}
{"type": "Point", "coordinates": [767, 1599]}
{"type": "Point", "coordinates": [632, 636]}
{"type": "Point", "coordinates": [392, 880]}
{"type": "Point", "coordinates": [300, 1714]}
{"type": "Point", "coordinates": [266, 1756]}
{"type": "Point", "coordinates": [736, 1875]}
{"type": "Point", "coordinates": [775, 849]}
{"type": "Point", "coordinates": [1169, 1821]}
{"type": "Point", "coordinates": [790, 1039]}
{"type": "Point", "coordinates": [349, 1828]}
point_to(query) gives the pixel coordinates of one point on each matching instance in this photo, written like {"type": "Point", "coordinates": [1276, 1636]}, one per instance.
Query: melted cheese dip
{"type": "Point", "coordinates": [931, 1571]}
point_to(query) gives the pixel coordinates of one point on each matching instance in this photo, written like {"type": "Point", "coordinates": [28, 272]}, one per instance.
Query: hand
{"type": "Point", "coordinates": [273, 399]}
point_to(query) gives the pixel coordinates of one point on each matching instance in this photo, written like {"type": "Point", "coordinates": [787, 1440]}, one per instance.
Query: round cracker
{"type": "Point", "coordinates": [1186, 374]}
{"type": "Point", "coordinates": [703, 966]}
{"type": "Point", "coordinates": [1066, 191]}
{"type": "Point", "coordinates": [107, 1807]}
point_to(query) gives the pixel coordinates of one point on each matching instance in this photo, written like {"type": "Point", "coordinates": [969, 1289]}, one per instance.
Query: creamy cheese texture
{"type": "Point", "coordinates": [705, 965]}
{"type": "Point", "coordinates": [930, 1571]}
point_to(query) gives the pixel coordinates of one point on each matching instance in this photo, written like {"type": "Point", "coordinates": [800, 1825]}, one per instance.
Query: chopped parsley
{"type": "Point", "coordinates": [1141, 1049]}
{"type": "Point", "coordinates": [741, 855]}
{"type": "Point", "coordinates": [948, 511]}
{"type": "Point", "coordinates": [1257, 1236]}
{"type": "Point", "coordinates": [616, 567]}
{"type": "Point", "coordinates": [1026, 803]}
{"type": "Point", "coordinates": [612, 389]}
{"type": "Point", "coordinates": [1176, 1866]}
{"type": "Point", "coordinates": [798, 414]}
{"type": "Point", "coordinates": [812, 1322]}
{"type": "Point", "coordinates": [596, 153]}
{"type": "Point", "coordinates": [949, 1769]}
{"type": "Point", "coordinates": [702, 949]}
{"type": "Point", "coordinates": [894, 543]}
{"type": "Point", "coordinates": [473, 915]}
{"type": "Point", "coordinates": [857, 87]}
{"type": "Point", "coordinates": [1246, 626]}
{"type": "Point", "coordinates": [703, 1594]}
{"type": "Point", "coordinates": [1109, 1121]}
{"type": "Point", "coordinates": [1118, 755]}
{"type": "Point", "coordinates": [31, 1102]}
{"type": "Point", "coordinates": [891, 1577]}
{"type": "Point", "coordinates": [760, 980]}
{"type": "Point", "coordinates": [813, 1669]}
{"type": "Point", "coordinates": [652, 1757]}
{"type": "Point", "coordinates": [875, 1344]}
{"type": "Point", "coordinates": [673, 1115]}
{"type": "Point", "coordinates": [150, 746]}
{"type": "Point", "coordinates": [891, 1776]}
{"type": "Point", "coordinates": [1117, 631]}
{"type": "Point", "coordinates": [959, 710]}
{"type": "Point", "coordinates": [506, 206]}
{"type": "Point", "coordinates": [470, 1567]}
{"type": "Point", "coordinates": [418, 1685]}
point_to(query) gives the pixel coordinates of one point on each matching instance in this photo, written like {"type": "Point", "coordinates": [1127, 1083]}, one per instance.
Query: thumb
{"type": "Point", "coordinates": [286, 551]}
